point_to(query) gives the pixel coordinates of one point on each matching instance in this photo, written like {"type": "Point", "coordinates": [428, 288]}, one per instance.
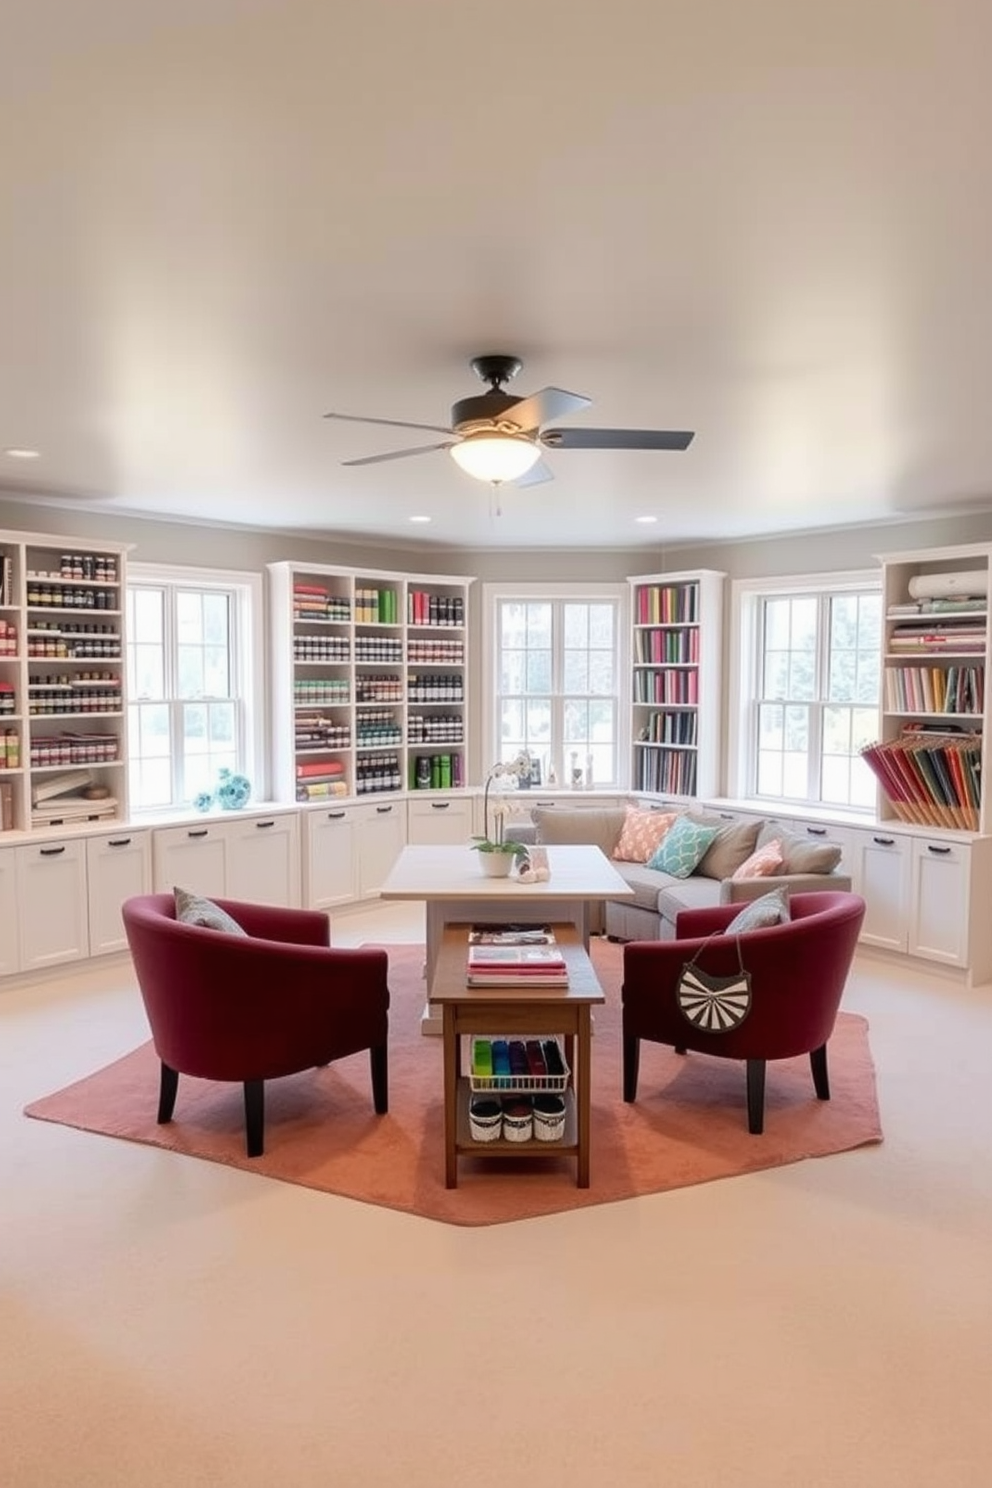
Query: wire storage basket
{"type": "Point", "coordinates": [515, 1067]}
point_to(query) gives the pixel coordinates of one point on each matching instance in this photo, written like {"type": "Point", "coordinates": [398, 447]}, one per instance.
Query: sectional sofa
{"type": "Point", "coordinates": [659, 896]}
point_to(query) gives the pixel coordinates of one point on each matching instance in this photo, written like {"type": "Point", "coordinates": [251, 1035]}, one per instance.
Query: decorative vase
{"type": "Point", "coordinates": [496, 864]}
{"type": "Point", "coordinates": [233, 791]}
{"type": "Point", "coordinates": [203, 800]}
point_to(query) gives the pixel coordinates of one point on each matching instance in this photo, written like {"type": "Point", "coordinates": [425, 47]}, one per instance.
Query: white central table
{"type": "Point", "coordinates": [455, 889]}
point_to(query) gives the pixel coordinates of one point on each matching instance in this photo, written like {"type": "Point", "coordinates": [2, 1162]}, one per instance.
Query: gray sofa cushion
{"type": "Point", "coordinates": [687, 893]}
{"type": "Point", "coordinates": [800, 855]}
{"type": "Point", "coordinates": [733, 845]}
{"type": "Point", "coordinates": [595, 826]}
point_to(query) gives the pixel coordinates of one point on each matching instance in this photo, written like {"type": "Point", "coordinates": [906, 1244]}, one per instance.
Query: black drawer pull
{"type": "Point", "coordinates": [383, 810]}
{"type": "Point", "coordinates": [200, 832]}
{"type": "Point", "coordinates": [817, 831]}
{"type": "Point", "coordinates": [545, 803]}
{"type": "Point", "coordinates": [260, 825]}
{"type": "Point", "coordinates": [941, 850]}
{"type": "Point", "coordinates": [727, 815]}
{"type": "Point", "coordinates": [118, 842]}
{"type": "Point", "coordinates": [440, 805]}
{"type": "Point", "coordinates": [52, 852]}
{"type": "Point", "coordinates": [336, 816]}
{"type": "Point", "coordinates": [885, 841]}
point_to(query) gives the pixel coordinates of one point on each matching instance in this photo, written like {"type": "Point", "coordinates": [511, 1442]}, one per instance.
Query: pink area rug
{"type": "Point", "coordinates": [687, 1126]}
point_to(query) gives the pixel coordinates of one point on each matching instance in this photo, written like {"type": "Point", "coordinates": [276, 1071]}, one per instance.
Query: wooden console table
{"type": "Point", "coordinates": [525, 1013]}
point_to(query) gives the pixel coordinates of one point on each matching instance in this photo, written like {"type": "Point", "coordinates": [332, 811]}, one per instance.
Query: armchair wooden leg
{"type": "Point", "coordinates": [168, 1085]}
{"type": "Point", "coordinates": [255, 1117]}
{"type": "Point", "coordinates": [380, 1079]}
{"type": "Point", "coordinates": [756, 1096]}
{"type": "Point", "coordinates": [631, 1066]}
{"type": "Point", "coordinates": [818, 1064]}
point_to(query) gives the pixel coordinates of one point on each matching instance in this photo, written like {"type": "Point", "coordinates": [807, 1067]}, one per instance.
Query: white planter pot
{"type": "Point", "coordinates": [496, 864]}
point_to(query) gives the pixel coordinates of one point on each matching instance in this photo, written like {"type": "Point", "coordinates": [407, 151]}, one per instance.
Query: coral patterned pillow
{"type": "Point", "coordinates": [642, 832]}
{"type": "Point", "coordinates": [762, 863]}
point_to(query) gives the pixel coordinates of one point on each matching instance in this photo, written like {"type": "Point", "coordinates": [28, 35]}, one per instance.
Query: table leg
{"type": "Point", "coordinates": [450, 1098]}
{"type": "Point", "coordinates": [583, 1064]}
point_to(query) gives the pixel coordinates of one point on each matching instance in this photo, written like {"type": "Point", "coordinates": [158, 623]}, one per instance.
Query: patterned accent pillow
{"type": "Point", "coordinates": [193, 909]}
{"type": "Point", "coordinates": [682, 847]}
{"type": "Point", "coordinates": [762, 863]}
{"type": "Point", "coordinates": [642, 832]}
{"type": "Point", "coordinates": [770, 909]}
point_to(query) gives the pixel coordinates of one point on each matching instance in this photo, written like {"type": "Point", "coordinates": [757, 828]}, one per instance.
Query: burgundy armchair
{"type": "Point", "coordinates": [252, 1007]}
{"type": "Point", "coordinates": [798, 973]}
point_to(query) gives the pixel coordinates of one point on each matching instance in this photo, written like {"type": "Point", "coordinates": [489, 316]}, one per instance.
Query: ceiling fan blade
{"type": "Point", "coordinates": [540, 408]}
{"type": "Point", "coordinates": [617, 439]}
{"type": "Point", "coordinates": [420, 449]}
{"type": "Point", "coordinates": [536, 475]}
{"type": "Point", "coordinates": [358, 418]}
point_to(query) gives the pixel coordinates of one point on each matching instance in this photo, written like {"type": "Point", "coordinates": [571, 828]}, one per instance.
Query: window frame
{"type": "Point", "coordinates": [495, 593]}
{"type": "Point", "coordinates": [745, 676]}
{"type": "Point", "coordinates": [245, 590]}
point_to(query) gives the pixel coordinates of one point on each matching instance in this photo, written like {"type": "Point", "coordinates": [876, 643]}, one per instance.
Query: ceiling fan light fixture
{"type": "Point", "coordinates": [494, 457]}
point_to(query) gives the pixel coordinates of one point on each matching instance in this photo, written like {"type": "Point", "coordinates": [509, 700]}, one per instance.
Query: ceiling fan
{"type": "Point", "coordinates": [498, 438]}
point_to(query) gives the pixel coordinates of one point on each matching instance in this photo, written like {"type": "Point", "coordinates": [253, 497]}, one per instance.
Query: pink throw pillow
{"type": "Point", "coordinates": [642, 832]}
{"type": "Point", "coordinates": [762, 863]}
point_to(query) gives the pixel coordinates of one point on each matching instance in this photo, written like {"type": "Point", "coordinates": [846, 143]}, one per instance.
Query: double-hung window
{"type": "Point", "coordinates": [809, 689]}
{"type": "Point", "coordinates": [556, 659]}
{"type": "Point", "coordinates": [191, 669]}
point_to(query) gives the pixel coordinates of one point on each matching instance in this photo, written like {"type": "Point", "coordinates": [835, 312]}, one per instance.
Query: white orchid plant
{"type": "Point", "coordinates": [508, 776]}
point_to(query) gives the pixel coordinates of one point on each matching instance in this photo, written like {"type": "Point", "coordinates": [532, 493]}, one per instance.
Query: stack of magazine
{"type": "Point", "coordinates": [515, 956]}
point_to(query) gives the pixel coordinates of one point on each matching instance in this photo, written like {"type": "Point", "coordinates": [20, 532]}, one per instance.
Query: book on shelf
{"type": "Point", "coordinates": [521, 959]}
{"type": "Point", "coordinates": [511, 934]}
{"type": "Point", "coordinates": [931, 778]}
{"type": "Point", "coordinates": [517, 979]}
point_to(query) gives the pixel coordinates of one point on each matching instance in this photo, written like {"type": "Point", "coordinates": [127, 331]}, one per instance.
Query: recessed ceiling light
{"type": "Point", "coordinates": [420, 519]}
{"type": "Point", "coordinates": [22, 454]}
{"type": "Point", "coordinates": [646, 520]}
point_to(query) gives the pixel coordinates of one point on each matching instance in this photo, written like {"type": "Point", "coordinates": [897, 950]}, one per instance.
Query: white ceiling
{"type": "Point", "coordinates": [769, 222]}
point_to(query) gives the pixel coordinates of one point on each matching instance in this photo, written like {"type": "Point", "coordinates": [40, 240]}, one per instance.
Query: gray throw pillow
{"type": "Point", "coordinates": [594, 826]}
{"type": "Point", "coordinates": [799, 855]}
{"type": "Point", "coordinates": [770, 909]}
{"type": "Point", "coordinates": [733, 845]}
{"type": "Point", "coordinates": [193, 909]}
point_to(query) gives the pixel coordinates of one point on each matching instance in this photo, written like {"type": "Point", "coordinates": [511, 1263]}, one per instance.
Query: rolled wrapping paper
{"type": "Point", "coordinates": [971, 584]}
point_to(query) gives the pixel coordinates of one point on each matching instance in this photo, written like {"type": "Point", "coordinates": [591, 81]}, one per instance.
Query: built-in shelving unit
{"type": "Point", "coordinates": [62, 682]}
{"type": "Point", "coordinates": [369, 681]}
{"type": "Point", "coordinates": [930, 757]}
{"type": "Point", "coordinates": [676, 646]}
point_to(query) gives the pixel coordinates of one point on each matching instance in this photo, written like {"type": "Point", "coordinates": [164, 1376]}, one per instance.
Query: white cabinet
{"type": "Point", "coordinates": [381, 836]}
{"type": "Point", "coordinates": [61, 662]}
{"type": "Point", "coordinates": [10, 958]}
{"type": "Point", "coordinates": [369, 682]}
{"type": "Point", "coordinates": [191, 857]}
{"type": "Point", "coordinates": [676, 695]}
{"type": "Point", "coordinates": [263, 859]}
{"type": "Point", "coordinates": [881, 875]}
{"type": "Point", "coordinates": [51, 900]}
{"type": "Point", "coordinates": [330, 838]}
{"type": "Point", "coordinates": [118, 866]}
{"type": "Point", "coordinates": [447, 821]}
{"type": "Point", "coordinates": [939, 901]}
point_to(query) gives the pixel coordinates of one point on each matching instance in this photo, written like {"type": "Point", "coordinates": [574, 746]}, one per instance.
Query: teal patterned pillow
{"type": "Point", "coordinates": [682, 847]}
{"type": "Point", "coordinates": [770, 909]}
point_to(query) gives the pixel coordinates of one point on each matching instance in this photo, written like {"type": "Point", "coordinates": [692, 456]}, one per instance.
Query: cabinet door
{"type": "Point", "coordinates": [329, 852]}
{"type": "Point", "coordinates": [117, 867]}
{"type": "Point", "coordinates": [51, 898]}
{"type": "Point", "coordinates": [439, 822]}
{"type": "Point", "coordinates": [193, 858]}
{"type": "Point", "coordinates": [263, 864]}
{"type": "Point", "coordinates": [939, 901]}
{"type": "Point", "coordinates": [10, 959]}
{"type": "Point", "coordinates": [881, 877]}
{"type": "Point", "coordinates": [381, 837]}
